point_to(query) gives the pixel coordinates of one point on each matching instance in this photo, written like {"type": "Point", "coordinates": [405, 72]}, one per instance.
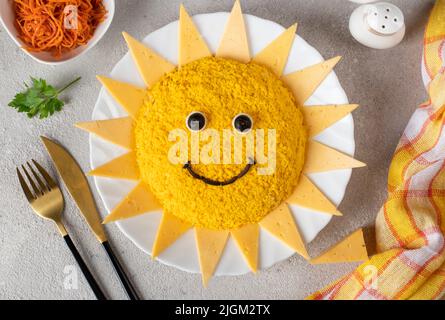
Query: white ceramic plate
{"type": "Point", "coordinates": [7, 18]}
{"type": "Point", "coordinates": [182, 254]}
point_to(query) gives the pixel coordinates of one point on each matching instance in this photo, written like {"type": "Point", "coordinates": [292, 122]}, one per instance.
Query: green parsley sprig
{"type": "Point", "coordinates": [39, 98]}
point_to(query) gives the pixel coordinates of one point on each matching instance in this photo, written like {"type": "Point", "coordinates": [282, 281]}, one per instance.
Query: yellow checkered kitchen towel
{"type": "Point", "coordinates": [410, 227]}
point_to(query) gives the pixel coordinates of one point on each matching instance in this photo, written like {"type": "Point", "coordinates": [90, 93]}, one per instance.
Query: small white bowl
{"type": "Point", "coordinates": [7, 18]}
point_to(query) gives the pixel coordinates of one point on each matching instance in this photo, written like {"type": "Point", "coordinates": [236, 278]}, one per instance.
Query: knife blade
{"type": "Point", "coordinates": [77, 185]}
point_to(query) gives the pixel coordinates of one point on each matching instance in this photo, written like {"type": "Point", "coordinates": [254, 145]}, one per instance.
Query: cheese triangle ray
{"type": "Point", "coordinates": [281, 224]}
{"type": "Point", "coordinates": [118, 131]}
{"type": "Point", "coordinates": [320, 158]}
{"type": "Point", "coordinates": [127, 95]}
{"type": "Point", "coordinates": [275, 55]}
{"type": "Point", "coordinates": [151, 66]}
{"type": "Point", "coordinates": [191, 45]}
{"type": "Point", "coordinates": [210, 245]}
{"type": "Point", "coordinates": [318, 118]}
{"type": "Point", "coordinates": [247, 238]}
{"type": "Point", "coordinates": [170, 229]}
{"type": "Point", "coordinates": [234, 44]}
{"type": "Point", "coordinates": [304, 82]}
{"type": "Point", "coordinates": [307, 195]}
{"type": "Point", "coordinates": [123, 167]}
{"type": "Point", "coordinates": [140, 200]}
{"type": "Point", "coordinates": [350, 249]}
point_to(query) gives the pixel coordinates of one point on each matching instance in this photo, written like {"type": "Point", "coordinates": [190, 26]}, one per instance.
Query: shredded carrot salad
{"type": "Point", "coordinates": [54, 26]}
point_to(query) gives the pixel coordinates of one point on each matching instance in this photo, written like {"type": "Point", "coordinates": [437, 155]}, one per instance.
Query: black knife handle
{"type": "Point", "coordinates": [131, 291]}
{"type": "Point", "coordinates": [86, 272]}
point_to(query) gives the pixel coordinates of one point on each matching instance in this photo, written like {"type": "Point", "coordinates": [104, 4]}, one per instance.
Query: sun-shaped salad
{"type": "Point", "coordinates": [248, 99]}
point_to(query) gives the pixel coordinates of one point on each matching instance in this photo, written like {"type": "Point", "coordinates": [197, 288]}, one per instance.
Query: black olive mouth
{"type": "Point", "coordinates": [211, 182]}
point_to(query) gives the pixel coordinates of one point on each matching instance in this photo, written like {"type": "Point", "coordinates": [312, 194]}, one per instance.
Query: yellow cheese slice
{"type": "Point", "coordinates": [210, 245]}
{"type": "Point", "coordinates": [140, 200]}
{"type": "Point", "coordinates": [191, 45]}
{"type": "Point", "coordinates": [118, 131]}
{"type": "Point", "coordinates": [123, 167]}
{"type": "Point", "coordinates": [304, 82]}
{"type": "Point", "coordinates": [275, 55]}
{"type": "Point", "coordinates": [130, 97]}
{"type": "Point", "coordinates": [281, 224]}
{"type": "Point", "coordinates": [350, 249]}
{"type": "Point", "coordinates": [318, 118]}
{"type": "Point", "coordinates": [321, 158]}
{"type": "Point", "coordinates": [234, 44]}
{"type": "Point", "coordinates": [170, 229]}
{"type": "Point", "coordinates": [151, 66]}
{"type": "Point", "coordinates": [247, 238]}
{"type": "Point", "coordinates": [307, 195]}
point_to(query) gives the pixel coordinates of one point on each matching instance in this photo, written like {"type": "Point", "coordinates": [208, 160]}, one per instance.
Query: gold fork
{"type": "Point", "coordinates": [46, 200]}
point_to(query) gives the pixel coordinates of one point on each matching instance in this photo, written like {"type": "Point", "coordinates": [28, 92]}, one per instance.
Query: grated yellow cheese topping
{"type": "Point", "coordinates": [221, 89]}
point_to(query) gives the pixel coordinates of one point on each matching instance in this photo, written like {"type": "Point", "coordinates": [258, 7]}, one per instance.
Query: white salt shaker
{"type": "Point", "coordinates": [379, 25]}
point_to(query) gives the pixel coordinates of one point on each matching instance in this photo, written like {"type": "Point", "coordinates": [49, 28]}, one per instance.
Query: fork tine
{"type": "Point", "coordinates": [51, 183]}
{"type": "Point", "coordinates": [31, 181]}
{"type": "Point", "coordinates": [25, 188]}
{"type": "Point", "coordinates": [43, 187]}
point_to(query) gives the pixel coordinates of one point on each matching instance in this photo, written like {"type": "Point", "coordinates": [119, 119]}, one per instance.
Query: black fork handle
{"type": "Point", "coordinates": [86, 272]}
{"type": "Point", "coordinates": [131, 291]}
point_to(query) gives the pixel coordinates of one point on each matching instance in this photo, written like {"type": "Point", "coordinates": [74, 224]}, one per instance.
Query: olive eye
{"type": "Point", "coordinates": [242, 123]}
{"type": "Point", "coordinates": [196, 121]}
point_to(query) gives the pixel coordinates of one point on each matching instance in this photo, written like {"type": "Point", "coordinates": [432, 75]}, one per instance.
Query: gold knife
{"type": "Point", "coordinates": [79, 189]}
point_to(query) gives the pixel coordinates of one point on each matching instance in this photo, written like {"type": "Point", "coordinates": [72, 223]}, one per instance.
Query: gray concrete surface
{"type": "Point", "coordinates": [387, 84]}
